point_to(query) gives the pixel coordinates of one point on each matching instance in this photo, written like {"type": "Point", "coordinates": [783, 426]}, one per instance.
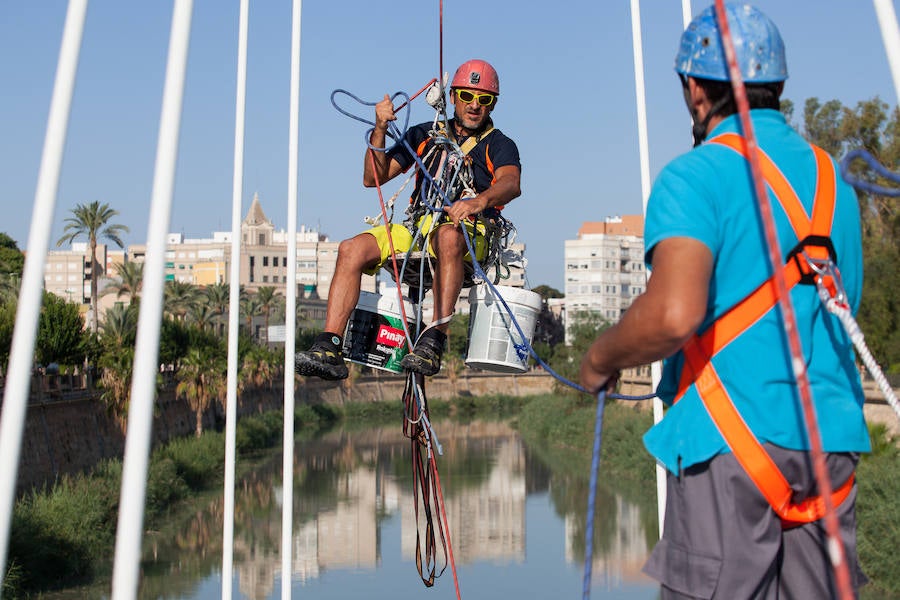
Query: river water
{"type": "Point", "coordinates": [516, 526]}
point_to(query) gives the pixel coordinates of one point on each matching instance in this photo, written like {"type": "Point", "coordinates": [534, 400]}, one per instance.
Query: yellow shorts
{"type": "Point", "coordinates": [402, 239]}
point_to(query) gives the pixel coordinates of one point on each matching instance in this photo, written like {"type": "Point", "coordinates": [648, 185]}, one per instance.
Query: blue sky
{"type": "Point", "coordinates": [567, 98]}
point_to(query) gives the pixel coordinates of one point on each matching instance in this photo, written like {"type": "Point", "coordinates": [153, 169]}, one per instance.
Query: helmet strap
{"type": "Point", "coordinates": [699, 130]}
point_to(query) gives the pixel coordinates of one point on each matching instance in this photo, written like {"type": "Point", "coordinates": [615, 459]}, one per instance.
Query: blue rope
{"type": "Point", "coordinates": [592, 498]}
{"type": "Point", "coordinates": [876, 166]}
{"type": "Point", "coordinates": [524, 348]}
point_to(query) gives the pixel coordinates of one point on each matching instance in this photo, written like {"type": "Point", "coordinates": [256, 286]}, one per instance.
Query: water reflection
{"type": "Point", "coordinates": [515, 525]}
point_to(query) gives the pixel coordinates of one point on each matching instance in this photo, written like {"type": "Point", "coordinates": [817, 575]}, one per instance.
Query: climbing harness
{"type": "Point", "coordinates": [811, 262]}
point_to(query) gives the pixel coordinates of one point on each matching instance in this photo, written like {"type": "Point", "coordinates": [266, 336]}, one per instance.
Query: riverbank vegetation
{"type": "Point", "coordinates": [64, 535]}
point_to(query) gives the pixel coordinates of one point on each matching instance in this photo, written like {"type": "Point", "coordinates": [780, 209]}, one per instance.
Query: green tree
{"type": "Point", "coordinates": [119, 329]}
{"type": "Point", "coordinates": [201, 379]}
{"type": "Point", "coordinates": [869, 126]}
{"type": "Point", "coordinates": [174, 340]}
{"type": "Point", "coordinates": [60, 335]}
{"type": "Point", "coordinates": [268, 299]}
{"type": "Point", "coordinates": [546, 292]}
{"type": "Point", "coordinates": [202, 315]}
{"type": "Point", "coordinates": [179, 296]}
{"type": "Point", "coordinates": [93, 221]}
{"type": "Point", "coordinates": [218, 297]}
{"type": "Point", "coordinates": [12, 261]}
{"type": "Point", "coordinates": [7, 325]}
{"type": "Point", "coordinates": [259, 367]}
{"type": "Point", "coordinates": [566, 360]}
{"type": "Point", "coordinates": [116, 371]}
{"type": "Point", "coordinates": [9, 286]}
{"type": "Point", "coordinates": [250, 307]}
{"type": "Point", "coordinates": [128, 282]}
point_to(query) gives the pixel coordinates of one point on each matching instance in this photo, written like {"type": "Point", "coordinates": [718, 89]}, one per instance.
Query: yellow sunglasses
{"type": "Point", "coordinates": [465, 96]}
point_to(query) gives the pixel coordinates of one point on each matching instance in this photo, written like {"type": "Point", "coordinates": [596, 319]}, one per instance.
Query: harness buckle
{"type": "Point", "coordinates": [816, 259]}
{"type": "Point", "coordinates": [810, 255]}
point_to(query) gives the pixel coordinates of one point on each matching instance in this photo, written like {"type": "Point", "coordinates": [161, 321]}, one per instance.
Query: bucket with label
{"type": "Point", "coordinates": [374, 336]}
{"type": "Point", "coordinates": [493, 336]}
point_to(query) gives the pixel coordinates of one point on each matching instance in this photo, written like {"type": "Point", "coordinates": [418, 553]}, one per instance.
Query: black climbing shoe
{"type": "Point", "coordinates": [322, 360]}
{"type": "Point", "coordinates": [425, 358]}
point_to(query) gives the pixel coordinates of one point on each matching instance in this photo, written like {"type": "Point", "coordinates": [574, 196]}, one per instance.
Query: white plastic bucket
{"type": "Point", "coordinates": [374, 336]}
{"type": "Point", "coordinates": [493, 336]}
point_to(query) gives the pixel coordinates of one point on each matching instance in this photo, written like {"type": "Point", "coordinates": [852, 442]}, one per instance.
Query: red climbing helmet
{"type": "Point", "coordinates": [476, 74]}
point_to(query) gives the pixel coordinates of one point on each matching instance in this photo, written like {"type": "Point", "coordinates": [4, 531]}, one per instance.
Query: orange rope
{"type": "Point", "coordinates": [836, 549]}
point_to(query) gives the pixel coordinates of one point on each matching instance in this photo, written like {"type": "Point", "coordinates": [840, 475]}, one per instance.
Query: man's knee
{"type": "Point", "coordinates": [361, 251]}
{"type": "Point", "coordinates": [448, 241]}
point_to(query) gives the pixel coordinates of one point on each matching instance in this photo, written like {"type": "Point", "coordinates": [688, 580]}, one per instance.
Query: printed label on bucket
{"type": "Point", "coordinates": [375, 340]}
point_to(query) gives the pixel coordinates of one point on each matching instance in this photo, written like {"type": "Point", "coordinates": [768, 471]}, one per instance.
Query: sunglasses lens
{"type": "Point", "coordinates": [466, 97]}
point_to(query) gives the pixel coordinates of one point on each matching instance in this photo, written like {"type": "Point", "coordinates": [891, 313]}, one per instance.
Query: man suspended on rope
{"type": "Point", "coordinates": [733, 439]}
{"type": "Point", "coordinates": [496, 170]}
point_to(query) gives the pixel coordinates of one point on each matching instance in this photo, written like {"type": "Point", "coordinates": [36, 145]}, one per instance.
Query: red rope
{"type": "Point", "coordinates": [443, 522]}
{"type": "Point", "coordinates": [835, 547]}
{"type": "Point", "coordinates": [414, 96]}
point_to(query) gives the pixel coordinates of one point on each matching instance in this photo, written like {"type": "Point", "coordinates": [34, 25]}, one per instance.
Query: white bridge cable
{"type": "Point", "coordinates": [15, 396]}
{"type": "Point", "coordinates": [126, 568]}
{"type": "Point", "coordinates": [890, 35]}
{"type": "Point", "coordinates": [287, 482]}
{"type": "Point", "coordinates": [234, 299]}
{"type": "Point", "coordinates": [643, 147]}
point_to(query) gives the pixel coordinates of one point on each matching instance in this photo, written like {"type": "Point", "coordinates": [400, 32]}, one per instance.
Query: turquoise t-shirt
{"type": "Point", "coordinates": [707, 195]}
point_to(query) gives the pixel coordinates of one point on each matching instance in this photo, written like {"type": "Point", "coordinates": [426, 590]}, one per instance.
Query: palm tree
{"type": "Point", "coordinates": [179, 297]}
{"type": "Point", "coordinates": [128, 282]}
{"type": "Point", "coordinates": [202, 315]}
{"type": "Point", "coordinates": [250, 307]}
{"type": "Point", "coordinates": [93, 221]}
{"type": "Point", "coordinates": [259, 367]}
{"type": "Point", "coordinates": [201, 379]}
{"type": "Point", "coordinates": [119, 328]}
{"type": "Point", "coordinates": [115, 381]}
{"type": "Point", "coordinates": [217, 297]}
{"type": "Point", "coordinates": [268, 299]}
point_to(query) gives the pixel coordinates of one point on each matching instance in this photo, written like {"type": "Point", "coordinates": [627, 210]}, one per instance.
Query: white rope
{"type": "Point", "coordinates": [234, 305]}
{"type": "Point", "coordinates": [15, 396]}
{"type": "Point", "coordinates": [842, 312]}
{"type": "Point", "coordinates": [143, 387]}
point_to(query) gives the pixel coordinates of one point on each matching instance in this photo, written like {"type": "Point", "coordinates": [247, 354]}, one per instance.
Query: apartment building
{"type": "Point", "coordinates": [67, 274]}
{"type": "Point", "coordinates": [604, 266]}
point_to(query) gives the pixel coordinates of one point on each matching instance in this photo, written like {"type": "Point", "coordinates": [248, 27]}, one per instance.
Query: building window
{"type": "Point", "coordinates": [265, 279]}
{"type": "Point", "coordinates": [262, 239]}
{"type": "Point", "coordinates": [265, 261]}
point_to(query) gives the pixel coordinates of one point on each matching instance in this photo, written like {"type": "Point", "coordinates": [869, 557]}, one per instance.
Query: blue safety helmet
{"type": "Point", "coordinates": [757, 44]}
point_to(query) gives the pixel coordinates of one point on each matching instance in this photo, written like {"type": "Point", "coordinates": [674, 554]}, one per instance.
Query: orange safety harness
{"type": "Point", "coordinates": [815, 247]}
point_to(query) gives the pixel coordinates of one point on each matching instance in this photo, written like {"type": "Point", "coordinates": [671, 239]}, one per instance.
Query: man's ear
{"type": "Point", "coordinates": [695, 93]}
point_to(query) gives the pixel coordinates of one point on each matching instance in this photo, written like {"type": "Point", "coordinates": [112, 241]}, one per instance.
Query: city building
{"type": "Point", "coordinates": [604, 267]}
{"type": "Point", "coordinates": [263, 257]}
{"type": "Point", "coordinates": [67, 274]}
